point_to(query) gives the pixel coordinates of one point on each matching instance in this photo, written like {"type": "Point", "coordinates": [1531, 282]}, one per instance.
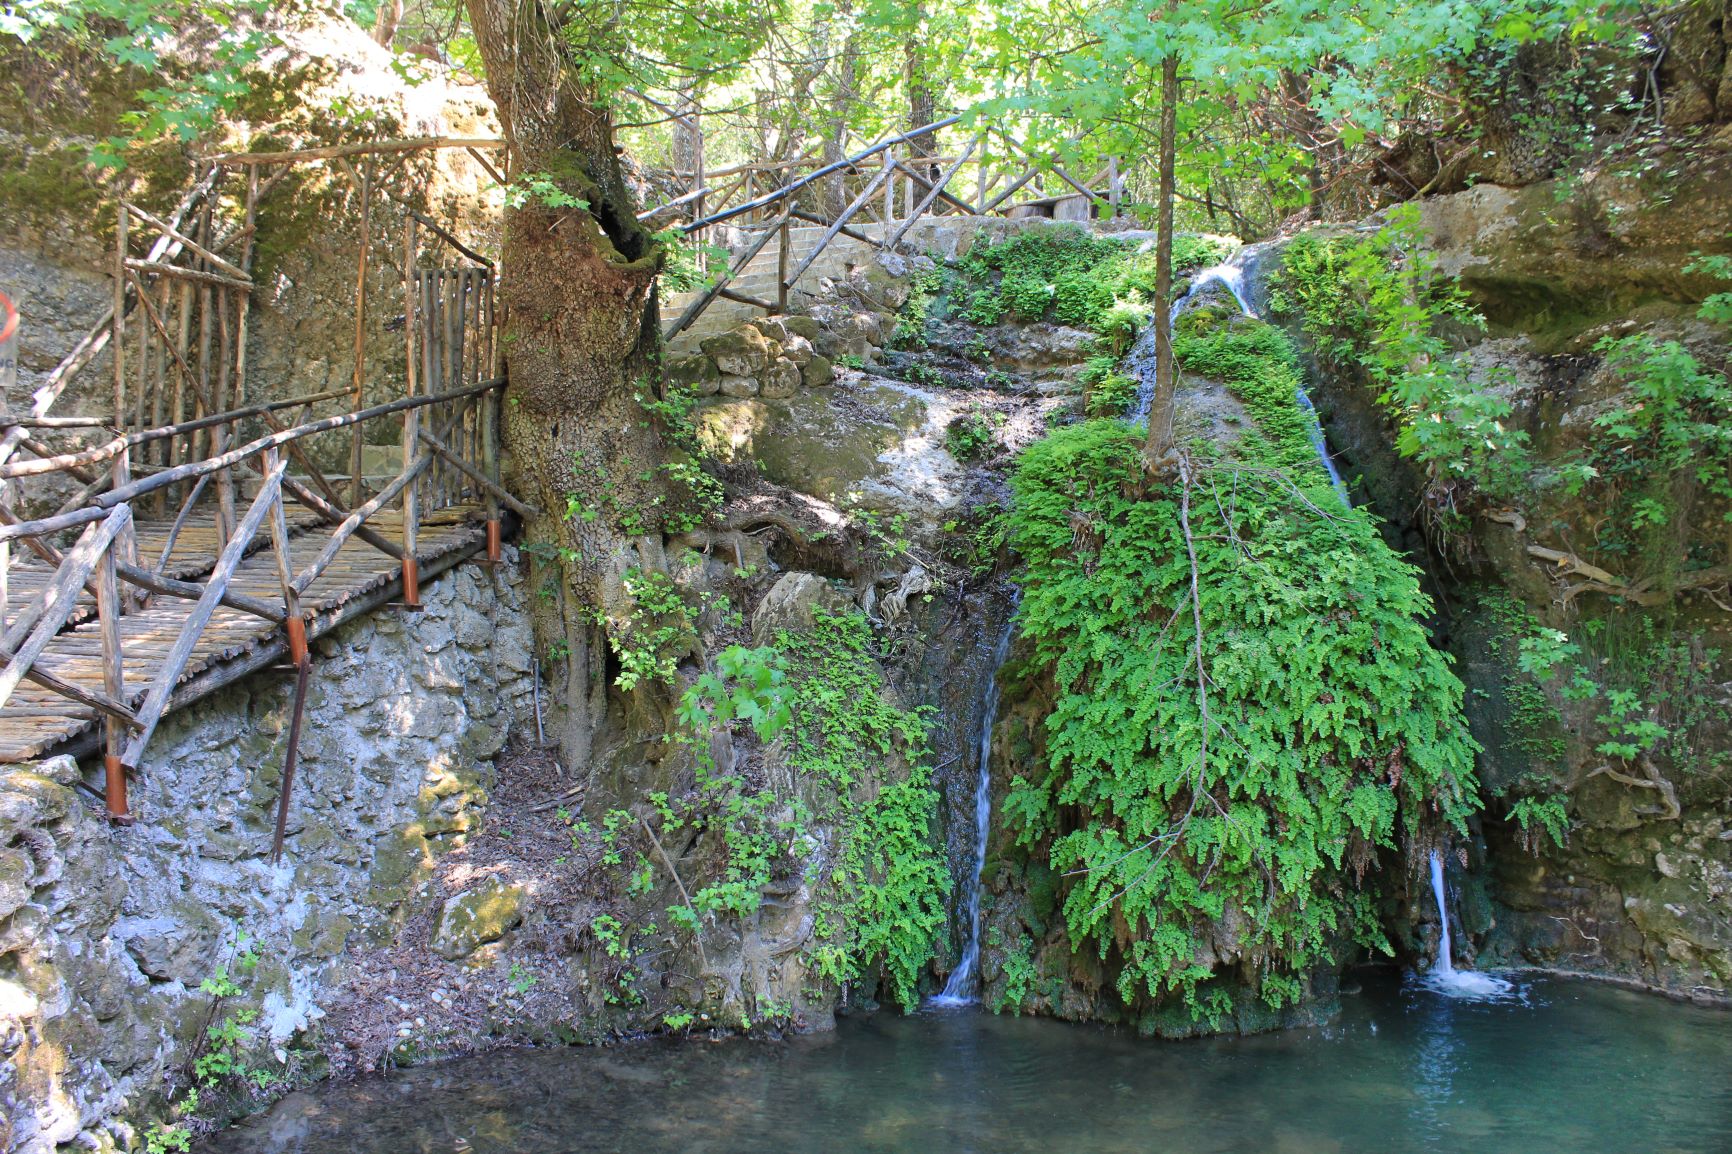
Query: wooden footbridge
{"type": "Point", "coordinates": [210, 534]}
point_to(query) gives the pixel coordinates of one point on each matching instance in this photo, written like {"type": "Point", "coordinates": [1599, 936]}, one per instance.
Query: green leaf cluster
{"type": "Point", "coordinates": [1222, 773]}
{"type": "Point", "coordinates": [1377, 305]}
{"type": "Point", "coordinates": [881, 901]}
{"type": "Point", "coordinates": [881, 883]}
{"type": "Point", "coordinates": [1073, 277]}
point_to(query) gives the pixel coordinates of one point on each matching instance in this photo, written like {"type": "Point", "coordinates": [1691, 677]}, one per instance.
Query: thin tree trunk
{"type": "Point", "coordinates": [922, 99]}
{"type": "Point", "coordinates": [1160, 440]}
{"type": "Point", "coordinates": [834, 191]}
{"type": "Point", "coordinates": [385, 22]}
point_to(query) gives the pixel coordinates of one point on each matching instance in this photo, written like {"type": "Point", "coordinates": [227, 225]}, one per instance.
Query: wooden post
{"type": "Point", "coordinates": [889, 191]}
{"type": "Point", "coordinates": [782, 285]}
{"type": "Point", "coordinates": [243, 303]}
{"type": "Point", "coordinates": [411, 418]}
{"type": "Point", "coordinates": [293, 624]}
{"type": "Point", "coordinates": [113, 684]}
{"type": "Point", "coordinates": [980, 174]}
{"type": "Point", "coordinates": [489, 403]}
{"type": "Point", "coordinates": [219, 434]}
{"type": "Point", "coordinates": [360, 331]}
{"type": "Point", "coordinates": [121, 469]}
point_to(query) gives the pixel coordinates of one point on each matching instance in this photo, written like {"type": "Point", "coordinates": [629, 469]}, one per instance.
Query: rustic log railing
{"type": "Point", "coordinates": [184, 440]}
{"type": "Point", "coordinates": [897, 177]}
{"type": "Point", "coordinates": [96, 560]}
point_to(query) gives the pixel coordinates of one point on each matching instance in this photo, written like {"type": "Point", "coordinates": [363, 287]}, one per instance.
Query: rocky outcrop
{"type": "Point", "coordinates": [106, 934]}
{"type": "Point", "coordinates": [1639, 891]}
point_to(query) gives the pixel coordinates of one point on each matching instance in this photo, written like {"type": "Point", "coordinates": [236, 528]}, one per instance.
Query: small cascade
{"type": "Point", "coordinates": [963, 986]}
{"type": "Point", "coordinates": [1231, 274]}
{"type": "Point", "coordinates": [1443, 977]}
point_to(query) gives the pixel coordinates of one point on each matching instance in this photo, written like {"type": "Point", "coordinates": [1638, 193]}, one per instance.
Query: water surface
{"type": "Point", "coordinates": [1575, 1067]}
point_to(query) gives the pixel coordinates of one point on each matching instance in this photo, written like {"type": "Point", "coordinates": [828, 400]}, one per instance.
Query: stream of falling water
{"type": "Point", "coordinates": [1443, 977]}
{"type": "Point", "coordinates": [1231, 275]}
{"type": "Point", "coordinates": [963, 986]}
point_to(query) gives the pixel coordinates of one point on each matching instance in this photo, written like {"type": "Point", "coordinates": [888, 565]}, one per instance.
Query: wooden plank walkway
{"type": "Point", "coordinates": [37, 720]}
{"type": "Point", "coordinates": [195, 554]}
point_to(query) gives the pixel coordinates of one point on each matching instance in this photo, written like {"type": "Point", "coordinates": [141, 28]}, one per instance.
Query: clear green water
{"type": "Point", "coordinates": [1578, 1067]}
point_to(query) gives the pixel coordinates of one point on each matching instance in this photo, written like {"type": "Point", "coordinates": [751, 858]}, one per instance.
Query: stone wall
{"type": "Point", "coordinates": [106, 934]}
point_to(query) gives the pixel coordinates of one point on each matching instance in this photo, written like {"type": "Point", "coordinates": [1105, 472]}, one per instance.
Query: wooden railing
{"type": "Point", "coordinates": [896, 176]}
{"type": "Point", "coordinates": [99, 562]}
{"type": "Point", "coordinates": [186, 440]}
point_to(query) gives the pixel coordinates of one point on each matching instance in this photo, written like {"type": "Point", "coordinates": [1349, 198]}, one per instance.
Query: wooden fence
{"type": "Point", "coordinates": [192, 452]}
{"type": "Point", "coordinates": [889, 174]}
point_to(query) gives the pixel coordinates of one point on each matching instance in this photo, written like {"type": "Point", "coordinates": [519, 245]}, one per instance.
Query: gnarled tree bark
{"type": "Point", "coordinates": [581, 340]}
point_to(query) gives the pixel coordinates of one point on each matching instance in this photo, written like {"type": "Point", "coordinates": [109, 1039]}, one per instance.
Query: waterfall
{"type": "Point", "coordinates": [1231, 275]}
{"type": "Point", "coordinates": [962, 987]}
{"type": "Point", "coordinates": [1443, 977]}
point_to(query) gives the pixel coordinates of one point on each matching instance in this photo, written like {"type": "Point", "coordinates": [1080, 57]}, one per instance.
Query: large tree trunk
{"type": "Point", "coordinates": [385, 21]}
{"type": "Point", "coordinates": [581, 337]}
{"type": "Point", "coordinates": [1160, 440]}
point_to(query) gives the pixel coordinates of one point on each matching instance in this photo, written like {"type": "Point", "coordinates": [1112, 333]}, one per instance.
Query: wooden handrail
{"type": "Point", "coordinates": [181, 651]}
{"type": "Point", "coordinates": [63, 462]}
{"type": "Point", "coordinates": [332, 151]}
{"type": "Point", "coordinates": [74, 571]}
{"type": "Point", "coordinates": [195, 469]}
{"type": "Point", "coordinates": [788, 190]}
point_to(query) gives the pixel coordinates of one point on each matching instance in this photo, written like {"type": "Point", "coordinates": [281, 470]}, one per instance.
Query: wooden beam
{"type": "Point", "coordinates": [169, 672]}
{"type": "Point", "coordinates": [74, 571]}
{"type": "Point", "coordinates": [161, 269]}
{"type": "Point", "coordinates": [332, 151]}
{"type": "Point", "coordinates": [787, 191]}
{"type": "Point", "coordinates": [846, 215]}
{"type": "Point", "coordinates": [696, 308]}
{"type": "Point", "coordinates": [528, 512]}
{"type": "Point", "coordinates": [926, 202]}
{"type": "Point", "coordinates": [850, 233]}
{"type": "Point", "coordinates": [170, 231]}
{"type": "Point", "coordinates": [353, 522]}
{"type": "Point", "coordinates": [747, 299]}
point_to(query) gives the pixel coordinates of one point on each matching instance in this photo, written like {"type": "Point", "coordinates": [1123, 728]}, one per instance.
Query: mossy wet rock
{"type": "Point", "coordinates": [883, 443]}
{"type": "Point", "coordinates": [696, 372]}
{"type": "Point", "coordinates": [478, 916]}
{"type": "Point", "coordinates": [781, 380]}
{"type": "Point", "coordinates": [1546, 256]}
{"type": "Point", "coordinates": [818, 372]}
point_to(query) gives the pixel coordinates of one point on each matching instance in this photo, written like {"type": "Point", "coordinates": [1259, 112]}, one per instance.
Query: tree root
{"type": "Point", "coordinates": [1651, 778]}
{"type": "Point", "coordinates": [1643, 592]}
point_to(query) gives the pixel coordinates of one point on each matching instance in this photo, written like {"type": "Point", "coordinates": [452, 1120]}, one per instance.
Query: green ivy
{"type": "Point", "coordinates": [882, 900]}
{"type": "Point", "coordinates": [1073, 277]}
{"type": "Point", "coordinates": [819, 697]}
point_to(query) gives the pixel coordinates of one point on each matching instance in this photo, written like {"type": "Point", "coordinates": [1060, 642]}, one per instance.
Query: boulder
{"type": "Point", "coordinates": [806, 327]}
{"type": "Point", "coordinates": [696, 372]}
{"type": "Point", "coordinates": [773, 328]}
{"type": "Point", "coordinates": [781, 380]}
{"type": "Point", "coordinates": [744, 352]}
{"type": "Point", "coordinates": [732, 386]}
{"type": "Point", "coordinates": [475, 917]}
{"type": "Point", "coordinates": [797, 349]}
{"type": "Point", "coordinates": [791, 603]}
{"type": "Point", "coordinates": [818, 372]}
